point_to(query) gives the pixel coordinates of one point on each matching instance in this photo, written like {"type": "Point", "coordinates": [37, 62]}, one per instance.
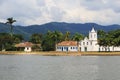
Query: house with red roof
{"type": "Point", "coordinates": [26, 45]}
{"type": "Point", "coordinates": [67, 46]}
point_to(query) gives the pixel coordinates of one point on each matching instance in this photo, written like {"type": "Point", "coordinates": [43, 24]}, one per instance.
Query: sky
{"type": "Point", "coordinates": [30, 12]}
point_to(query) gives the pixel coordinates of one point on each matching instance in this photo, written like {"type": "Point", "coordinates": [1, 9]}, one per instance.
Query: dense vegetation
{"type": "Point", "coordinates": [111, 38]}
{"type": "Point", "coordinates": [7, 41]}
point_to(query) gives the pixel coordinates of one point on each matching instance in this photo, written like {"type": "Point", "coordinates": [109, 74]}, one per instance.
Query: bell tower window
{"type": "Point", "coordinates": [94, 35]}
{"type": "Point", "coordinates": [91, 35]}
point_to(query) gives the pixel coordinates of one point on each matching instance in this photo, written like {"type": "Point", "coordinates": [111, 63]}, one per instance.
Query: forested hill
{"type": "Point", "coordinates": [58, 26]}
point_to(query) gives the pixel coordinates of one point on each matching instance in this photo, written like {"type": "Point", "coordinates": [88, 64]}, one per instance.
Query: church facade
{"type": "Point", "coordinates": [90, 43]}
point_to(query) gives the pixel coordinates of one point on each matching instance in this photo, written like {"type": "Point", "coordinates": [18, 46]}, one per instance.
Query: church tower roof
{"type": "Point", "coordinates": [93, 30]}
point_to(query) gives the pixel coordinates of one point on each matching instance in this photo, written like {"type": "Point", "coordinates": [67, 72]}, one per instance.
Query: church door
{"type": "Point", "coordinates": [85, 49]}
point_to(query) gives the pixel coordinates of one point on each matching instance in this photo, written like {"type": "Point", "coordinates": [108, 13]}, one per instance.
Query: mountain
{"type": "Point", "coordinates": [26, 31]}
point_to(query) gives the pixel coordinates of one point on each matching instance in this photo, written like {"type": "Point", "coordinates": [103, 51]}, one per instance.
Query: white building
{"type": "Point", "coordinates": [26, 45]}
{"type": "Point", "coordinates": [91, 44]}
{"type": "Point", "coordinates": [67, 46]}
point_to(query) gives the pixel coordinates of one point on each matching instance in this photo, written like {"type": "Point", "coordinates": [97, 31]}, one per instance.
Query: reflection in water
{"type": "Point", "coordinates": [34, 67]}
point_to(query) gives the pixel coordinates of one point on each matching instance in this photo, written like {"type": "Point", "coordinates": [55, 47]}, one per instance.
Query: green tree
{"type": "Point", "coordinates": [77, 37]}
{"type": "Point", "coordinates": [17, 38]}
{"type": "Point", "coordinates": [115, 37]}
{"type": "Point", "coordinates": [50, 40]}
{"type": "Point", "coordinates": [67, 36]}
{"type": "Point", "coordinates": [111, 38]}
{"type": "Point", "coordinates": [36, 38]}
{"type": "Point", "coordinates": [7, 42]}
{"type": "Point", "coordinates": [101, 33]}
{"type": "Point", "coordinates": [10, 21]}
{"type": "Point", "coordinates": [48, 43]}
{"type": "Point", "coordinates": [57, 36]}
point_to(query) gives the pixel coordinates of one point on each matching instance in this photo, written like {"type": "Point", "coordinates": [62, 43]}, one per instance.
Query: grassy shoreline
{"type": "Point", "coordinates": [54, 53]}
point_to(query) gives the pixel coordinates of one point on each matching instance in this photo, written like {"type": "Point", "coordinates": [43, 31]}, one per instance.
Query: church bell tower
{"type": "Point", "coordinates": [93, 35]}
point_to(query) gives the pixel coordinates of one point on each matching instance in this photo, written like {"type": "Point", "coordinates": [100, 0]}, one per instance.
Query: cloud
{"type": "Point", "coordinates": [101, 4]}
{"type": "Point", "coordinates": [28, 12]}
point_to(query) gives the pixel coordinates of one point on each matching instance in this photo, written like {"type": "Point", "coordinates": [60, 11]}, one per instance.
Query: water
{"type": "Point", "coordinates": [34, 67]}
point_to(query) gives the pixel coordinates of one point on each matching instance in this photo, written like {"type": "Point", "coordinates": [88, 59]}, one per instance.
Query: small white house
{"type": "Point", "coordinates": [26, 45]}
{"type": "Point", "coordinates": [67, 46]}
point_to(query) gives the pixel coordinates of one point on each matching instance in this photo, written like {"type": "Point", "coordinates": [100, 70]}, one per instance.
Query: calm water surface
{"type": "Point", "coordinates": [34, 67]}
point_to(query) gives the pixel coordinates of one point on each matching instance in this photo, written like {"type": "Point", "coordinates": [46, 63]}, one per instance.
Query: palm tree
{"type": "Point", "coordinates": [10, 21]}
{"type": "Point", "coordinates": [67, 36]}
{"type": "Point", "coordinates": [77, 37]}
{"type": "Point", "coordinates": [36, 38]}
{"type": "Point", "coordinates": [101, 33]}
{"type": "Point", "coordinates": [57, 36]}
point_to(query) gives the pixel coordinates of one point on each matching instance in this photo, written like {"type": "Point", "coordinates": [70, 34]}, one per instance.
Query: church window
{"type": "Point", "coordinates": [102, 49]}
{"type": "Point", "coordinates": [108, 49]}
{"type": "Point", "coordinates": [91, 36]}
{"type": "Point", "coordinates": [87, 43]}
{"type": "Point", "coordinates": [94, 35]}
{"type": "Point", "coordinates": [83, 43]}
{"type": "Point", "coordinates": [99, 49]}
{"type": "Point", "coordinates": [91, 43]}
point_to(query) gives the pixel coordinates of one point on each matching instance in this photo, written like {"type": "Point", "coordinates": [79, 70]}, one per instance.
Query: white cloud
{"type": "Point", "coordinates": [28, 12]}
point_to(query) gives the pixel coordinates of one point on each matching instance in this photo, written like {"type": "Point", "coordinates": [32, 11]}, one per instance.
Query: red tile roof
{"type": "Point", "coordinates": [24, 44]}
{"type": "Point", "coordinates": [67, 43]}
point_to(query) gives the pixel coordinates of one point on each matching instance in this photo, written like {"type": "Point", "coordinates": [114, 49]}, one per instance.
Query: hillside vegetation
{"type": "Point", "coordinates": [27, 31]}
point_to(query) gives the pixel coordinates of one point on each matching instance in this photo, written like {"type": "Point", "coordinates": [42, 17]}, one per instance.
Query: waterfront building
{"type": "Point", "coordinates": [67, 46]}
{"type": "Point", "coordinates": [26, 45]}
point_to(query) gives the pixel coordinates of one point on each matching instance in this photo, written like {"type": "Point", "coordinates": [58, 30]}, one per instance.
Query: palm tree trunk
{"type": "Point", "coordinates": [11, 30]}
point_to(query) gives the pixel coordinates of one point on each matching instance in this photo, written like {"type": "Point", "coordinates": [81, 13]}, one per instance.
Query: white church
{"type": "Point", "coordinates": [89, 43]}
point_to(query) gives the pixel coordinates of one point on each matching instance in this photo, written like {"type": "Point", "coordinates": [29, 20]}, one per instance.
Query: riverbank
{"type": "Point", "coordinates": [54, 53]}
